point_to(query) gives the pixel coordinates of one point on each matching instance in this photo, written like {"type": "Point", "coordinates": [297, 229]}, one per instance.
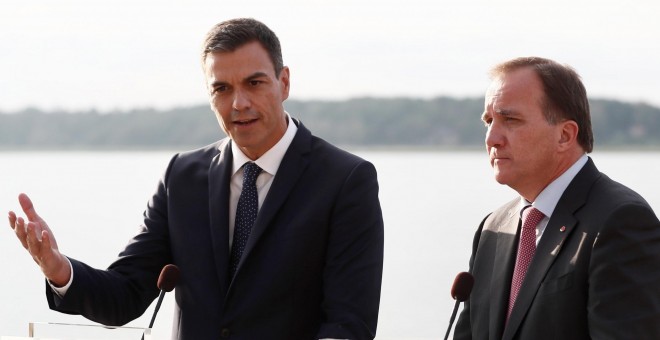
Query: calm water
{"type": "Point", "coordinates": [432, 203]}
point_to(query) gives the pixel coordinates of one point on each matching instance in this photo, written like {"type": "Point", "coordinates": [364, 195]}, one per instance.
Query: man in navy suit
{"type": "Point", "coordinates": [311, 267]}
{"type": "Point", "coordinates": [595, 270]}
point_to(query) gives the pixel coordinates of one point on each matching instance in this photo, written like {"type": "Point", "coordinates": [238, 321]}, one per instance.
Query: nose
{"type": "Point", "coordinates": [241, 101]}
{"type": "Point", "coordinates": [494, 135]}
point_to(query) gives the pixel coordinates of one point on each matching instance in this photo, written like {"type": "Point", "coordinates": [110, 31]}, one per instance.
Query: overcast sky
{"type": "Point", "coordinates": [123, 54]}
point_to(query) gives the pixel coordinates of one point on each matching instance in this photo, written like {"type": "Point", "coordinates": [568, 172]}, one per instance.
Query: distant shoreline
{"type": "Point", "coordinates": [442, 123]}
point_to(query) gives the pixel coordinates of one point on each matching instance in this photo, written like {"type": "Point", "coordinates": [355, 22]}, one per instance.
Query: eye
{"type": "Point", "coordinates": [219, 89]}
{"type": "Point", "coordinates": [508, 119]}
{"type": "Point", "coordinates": [255, 82]}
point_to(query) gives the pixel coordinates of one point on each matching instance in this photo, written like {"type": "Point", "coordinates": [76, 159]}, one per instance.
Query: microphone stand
{"type": "Point", "coordinates": [153, 317]}
{"type": "Point", "coordinates": [167, 279]}
{"type": "Point", "coordinates": [451, 320]}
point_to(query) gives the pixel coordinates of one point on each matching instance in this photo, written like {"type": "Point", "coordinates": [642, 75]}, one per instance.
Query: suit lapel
{"type": "Point", "coordinates": [559, 228]}
{"type": "Point", "coordinates": [293, 164]}
{"type": "Point", "coordinates": [503, 269]}
{"type": "Point", "coordinates": [219, 177]}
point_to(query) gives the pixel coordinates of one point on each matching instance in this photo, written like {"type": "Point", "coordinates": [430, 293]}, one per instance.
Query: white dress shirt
{"type": "Point", "coordinates": [547, 200]}
{"type": "Point", "coordinates": [269, 162]}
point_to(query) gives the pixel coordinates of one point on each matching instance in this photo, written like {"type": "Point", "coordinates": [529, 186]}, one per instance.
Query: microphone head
{"type": "Point", "coordinates": [168, 278]}
{"type": "Point", "coordinates": [462, 286]}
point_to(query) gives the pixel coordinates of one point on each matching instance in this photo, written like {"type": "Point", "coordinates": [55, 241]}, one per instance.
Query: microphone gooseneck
{"type": "Point", "coordinates": [167, 280]}
{"type": "Point", "coordinates": [460, 291]}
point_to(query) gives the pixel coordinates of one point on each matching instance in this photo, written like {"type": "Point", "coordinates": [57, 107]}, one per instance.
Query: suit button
{"type": "Point", "coordinates": [225, 332]}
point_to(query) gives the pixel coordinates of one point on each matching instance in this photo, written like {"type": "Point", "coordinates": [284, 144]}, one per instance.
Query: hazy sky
{"type": "Point", "coordinates": [121, 54]}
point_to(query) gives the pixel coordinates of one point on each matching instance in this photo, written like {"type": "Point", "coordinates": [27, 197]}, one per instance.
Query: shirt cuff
{"type": "Point", "coordinates": [61, 291]}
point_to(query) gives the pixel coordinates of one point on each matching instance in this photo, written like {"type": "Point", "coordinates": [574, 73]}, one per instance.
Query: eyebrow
{"type": "Point", "coordinates": [505, 112]}
{"type": "Point", "coordinates": [501, 112]}
{"type": "Point", "coordinates": [253, 76]}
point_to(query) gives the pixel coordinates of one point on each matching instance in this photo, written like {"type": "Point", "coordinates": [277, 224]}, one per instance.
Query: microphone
{"type": "Point", "coordinates": [167, 280]}
{"type": "Point", "coordinates": [460, 291]}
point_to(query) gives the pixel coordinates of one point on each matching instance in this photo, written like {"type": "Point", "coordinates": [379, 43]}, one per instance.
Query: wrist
{"type": "Point", "coordinates": [62, 276]}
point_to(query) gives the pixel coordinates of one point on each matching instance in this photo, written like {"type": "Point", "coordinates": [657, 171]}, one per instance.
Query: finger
{"type": "Point", "coordinates": [20, 229]}
{"type": "Point", "coordinates": [28, 207]}
{"type": "Point", "coordinates": [45, 240]}
{"type": "Point", "coordinates": [38, 229]}
{"type": "Point", "coordinates": [12, 219]}
{"type": "Point", "coordinates": [33, 243]}
{"type": "Point", "coordinates": [46, 244]}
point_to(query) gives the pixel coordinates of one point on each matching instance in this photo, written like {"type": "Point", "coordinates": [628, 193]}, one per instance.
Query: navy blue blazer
{"type": "Point", "coordinates": [595, 273]}
{"type": "Point", "coordinates": [311, 269]}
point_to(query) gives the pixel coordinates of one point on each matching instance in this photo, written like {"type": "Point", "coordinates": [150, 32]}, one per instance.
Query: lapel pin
{"type": "Point", "coordinates": [562, 229]}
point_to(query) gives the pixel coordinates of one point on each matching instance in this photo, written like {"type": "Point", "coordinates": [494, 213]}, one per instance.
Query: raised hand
{"type": "Point", "coordinates": [37, 238]}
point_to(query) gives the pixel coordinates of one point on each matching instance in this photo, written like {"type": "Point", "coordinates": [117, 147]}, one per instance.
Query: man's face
{"type": "Point", "coordinates": [247, 97]}
{"type": "Point", "coordinates": [521, 143]}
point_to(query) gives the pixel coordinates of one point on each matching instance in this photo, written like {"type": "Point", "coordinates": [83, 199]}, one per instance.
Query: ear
{"type": "Point", "coordinates": [284, 82]}
{"type": "Point", "coordinates": [568, 134]}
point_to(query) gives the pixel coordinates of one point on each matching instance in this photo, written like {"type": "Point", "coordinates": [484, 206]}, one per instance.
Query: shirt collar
{"type": "Point", "coordinates": [269, 161]}
{"type": "Point", "coordinates": [547, 200]}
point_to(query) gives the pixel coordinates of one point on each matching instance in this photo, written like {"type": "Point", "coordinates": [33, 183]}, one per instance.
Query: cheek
{"type": "Point", "coordinates": [221, 108]}
{"type": "Point", "coordinates": [221, 115]}
{"type": "Point", "coordinates": [537, 152]}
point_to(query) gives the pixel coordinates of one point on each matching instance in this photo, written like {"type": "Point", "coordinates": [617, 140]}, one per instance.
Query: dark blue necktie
{"type": "Point", "coordinates": [246, 213]}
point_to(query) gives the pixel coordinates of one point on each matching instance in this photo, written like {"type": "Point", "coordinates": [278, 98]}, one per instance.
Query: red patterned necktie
{"type": "Point", "coordinates": [526, 248]}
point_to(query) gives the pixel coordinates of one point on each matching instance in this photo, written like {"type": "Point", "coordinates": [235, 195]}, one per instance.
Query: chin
{"type": "Point", "coordinates": [501, 179]}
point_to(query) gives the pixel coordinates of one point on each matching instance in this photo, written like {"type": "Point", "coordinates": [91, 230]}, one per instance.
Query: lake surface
{"type": "Point", "coordinates": [432, 203]}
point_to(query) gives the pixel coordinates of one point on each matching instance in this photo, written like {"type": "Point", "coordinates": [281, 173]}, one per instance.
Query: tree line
{"type": "Point", "coordinates": [443, 122]}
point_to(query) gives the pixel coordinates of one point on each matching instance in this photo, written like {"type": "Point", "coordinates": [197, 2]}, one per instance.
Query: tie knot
{"type": "Point", "coordinates": [531, 217]}
{"type": "Point", "coordinates": [250, 172]}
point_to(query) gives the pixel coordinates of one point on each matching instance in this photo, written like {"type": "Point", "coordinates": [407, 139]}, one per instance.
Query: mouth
{"type": "Point", "coordinates": [495, 158]}
{"type": "Point", "coordinates": [244, 122]}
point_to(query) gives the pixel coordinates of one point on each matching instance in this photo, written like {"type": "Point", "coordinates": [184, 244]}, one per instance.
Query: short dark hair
{"type": "Point", "coordinates": [565, 95]}
{"type": "Point", "coordinates": [229, 35]}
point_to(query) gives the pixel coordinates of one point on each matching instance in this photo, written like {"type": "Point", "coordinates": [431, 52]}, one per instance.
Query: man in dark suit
{"type": "Point", "coordinates": [308, 267]}
{"type": "Point", "coordinates": [583, 262]}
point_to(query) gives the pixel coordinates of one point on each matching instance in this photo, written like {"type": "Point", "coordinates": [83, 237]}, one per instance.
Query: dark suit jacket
{"type": "Point", "coordinates": [595, 274]}
{"type": "Point", "coordinates": [311, 268]}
